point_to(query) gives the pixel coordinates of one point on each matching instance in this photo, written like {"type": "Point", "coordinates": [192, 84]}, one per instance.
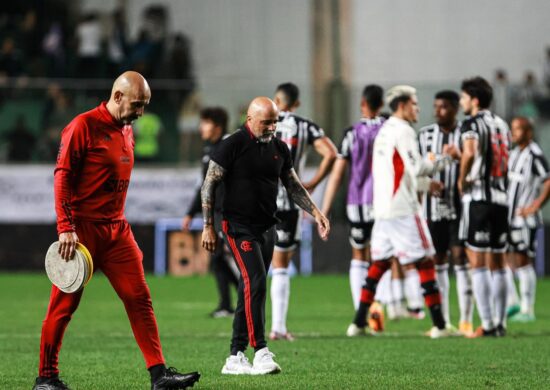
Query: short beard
{"type": "Point", "coordinates": [265, 138]}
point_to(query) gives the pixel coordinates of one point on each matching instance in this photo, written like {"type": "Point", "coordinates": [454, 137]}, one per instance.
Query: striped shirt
{"type": "Point", "coordinates": [297, 133]}
{"type": "Point", "coordinates": [356, 147]}
{"type": "Point", "coordinates": [527, 171]}
{"type": "Point", "coordinates": [447, 207]}
{"type": "Point", "coordinates": [489, 173]}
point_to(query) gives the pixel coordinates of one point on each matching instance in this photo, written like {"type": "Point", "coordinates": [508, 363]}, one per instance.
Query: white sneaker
{"type": "Point", "coordinates": [354, 331]}
{"type": "Point", "coordinates": [436, 333]}
{"type": "Point", "coordinates": [264, 363]}
{"type": "Point", "coordinates": [237, 365]}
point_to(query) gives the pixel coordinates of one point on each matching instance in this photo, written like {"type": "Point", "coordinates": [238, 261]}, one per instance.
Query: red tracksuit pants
{"type": "Point", "coordinates": [114, 251]}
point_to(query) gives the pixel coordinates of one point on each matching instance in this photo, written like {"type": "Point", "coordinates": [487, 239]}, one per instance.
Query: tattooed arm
{"type": "Point", "coordinates": [302, 198]}
{"type": "Point", "coordinates": [214, 176]}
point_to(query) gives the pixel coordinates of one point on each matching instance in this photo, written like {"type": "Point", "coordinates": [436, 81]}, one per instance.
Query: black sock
{"type": "Point", "coordinates": [361, 314]}
{"type": "Point", "coordinates": [437, 316]}
{"type": "Point", "coordinates": [157, 371]}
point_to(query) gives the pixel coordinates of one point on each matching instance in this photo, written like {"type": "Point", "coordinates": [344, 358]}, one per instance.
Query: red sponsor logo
{"type": "Point", "coordinates": [246, 246]}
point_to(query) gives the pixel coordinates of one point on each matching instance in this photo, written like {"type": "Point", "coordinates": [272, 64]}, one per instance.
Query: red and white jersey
{"type": "Point", "coordinates": [399, 172]}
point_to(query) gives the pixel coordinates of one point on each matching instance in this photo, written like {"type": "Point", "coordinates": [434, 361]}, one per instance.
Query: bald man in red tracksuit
{"type": "Point", "coordinates": [92, 176]}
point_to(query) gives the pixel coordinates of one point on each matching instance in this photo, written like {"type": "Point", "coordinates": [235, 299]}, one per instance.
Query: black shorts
{"type": "Point", "coordinates": [288, 230]}
{"type": "Point", "coordinates": [444, 234]}
{"type": "Point", "coordinates": [485, 226]}
{"type": "Point", "coordinates": [359, 234]}
{"type": "Point", "coordinates": [523, 240]}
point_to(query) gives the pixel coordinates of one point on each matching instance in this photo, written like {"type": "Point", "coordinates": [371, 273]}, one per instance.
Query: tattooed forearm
{"type": "Point", "coordinates": [214, 175]}
{"type": "Point", "coordinates": [297, 192]}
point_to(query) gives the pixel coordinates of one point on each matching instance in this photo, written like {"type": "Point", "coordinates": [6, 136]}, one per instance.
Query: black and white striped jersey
{"type": "Point", "coordinates": [297, 133]}
{"type": "Point", "coordinates": [527, 171]}
{"type": "Point", "coordinates": [489, 173]}
{"type": "Point", "coordinates": [431, 139]}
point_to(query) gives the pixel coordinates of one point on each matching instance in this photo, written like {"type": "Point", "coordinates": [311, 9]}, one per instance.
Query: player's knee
{"type": "Point", "coordinates": [429, 287]}
{"type": "Point", "coordinates": [135, 296]}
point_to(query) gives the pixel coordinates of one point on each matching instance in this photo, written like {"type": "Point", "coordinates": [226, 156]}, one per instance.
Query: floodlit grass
{"type": "Point", "coordinates": [99, 351]}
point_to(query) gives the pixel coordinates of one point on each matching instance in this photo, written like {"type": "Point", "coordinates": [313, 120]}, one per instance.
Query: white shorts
{"type": "Point", "coordinates": [406, 238]}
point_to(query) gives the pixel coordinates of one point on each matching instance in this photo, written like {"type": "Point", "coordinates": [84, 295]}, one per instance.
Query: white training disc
{"type": "Point", "coordinates": [68, 276]}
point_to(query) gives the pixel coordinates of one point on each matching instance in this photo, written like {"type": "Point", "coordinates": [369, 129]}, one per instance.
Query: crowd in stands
{"type": "Point", "coordinates": [39, 40]}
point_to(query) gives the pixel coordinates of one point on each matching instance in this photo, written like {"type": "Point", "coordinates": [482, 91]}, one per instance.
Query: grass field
{"type": "Point", "coordinates": [99, 351]}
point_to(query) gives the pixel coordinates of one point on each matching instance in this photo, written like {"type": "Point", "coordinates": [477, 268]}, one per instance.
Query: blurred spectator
{"type": "Point", "coordinates": [146, 132]}
{"type": "Point", "coordinates": [501, 95]}
{"type": "Point", "coordinates": [11, 61]}
{"type": "Point", "coordinates": [180, 61]}
{"type": "Point", "coordinates": [88, 34]}
{"type": "Point", "coordinates": [142, 54]}
{"type": "Point", "coordinates": [53, 48]}
{"type": "Point", "coordinates": [529, 90]}
{"type": "Point", "coordinates": [117, 44]}
{"type": "Point", "coordinates": [155, 24]}
{"type": "Point", "coordinates": [179, 66]}
{"type": "Point", "coordinates": [58, 111]}
{"type": "Point", "coordinates": [21, 141]}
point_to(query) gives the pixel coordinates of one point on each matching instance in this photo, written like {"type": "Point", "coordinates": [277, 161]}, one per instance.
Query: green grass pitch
{"type": "Point", "coordinates": [99, 351]}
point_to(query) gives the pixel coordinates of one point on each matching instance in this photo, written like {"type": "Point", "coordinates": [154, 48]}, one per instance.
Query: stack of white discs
{"type": "Point", "coordinates": [69, 276]}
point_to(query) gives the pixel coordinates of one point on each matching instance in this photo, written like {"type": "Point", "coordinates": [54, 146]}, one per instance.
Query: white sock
{"type": "Point", "coordinates": [383, 290]}
{"type": "Point", "coordinates": [527, 287]}
{"type": "Point", "coordinates": [481, 285]}
{"type": "Point", "coordinates": [280, 293]}
{"type": "Point", "coordinates": [397, 292]}
{"type": "Point", "coordinates": [512, 298]}
{"type": "Point", "coordinates": [442, 279]}
{"type": "Point", "coordinates": [413, 292]}
{"type": "Point", "coordinates": [464, 292]}
{"type": "Point", "coordinates": [498, 287]}
{"type": "Point", "coordinates": [357, 275]}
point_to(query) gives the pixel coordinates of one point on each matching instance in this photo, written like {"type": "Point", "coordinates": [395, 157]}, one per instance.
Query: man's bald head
{"type": "Point", "coordinates": [129, 96]}
{"type": "Point", "coordinates": [262, 118]}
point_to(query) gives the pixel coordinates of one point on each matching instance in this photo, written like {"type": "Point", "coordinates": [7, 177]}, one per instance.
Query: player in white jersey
{"type": "Point", "coordinates": [483, 185]}
{"type": "Point", "coordinates": [399, 173]}
{"type": "Point", "coordinates": [298, 133]}
{"type": "Point", "coordinates": [528, 191]}
{"type": "Point", "coordinates": [442, 210]}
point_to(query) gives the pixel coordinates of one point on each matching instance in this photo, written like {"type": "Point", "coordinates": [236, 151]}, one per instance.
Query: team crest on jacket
{"type": "Point", "coordinates": [246, 246]}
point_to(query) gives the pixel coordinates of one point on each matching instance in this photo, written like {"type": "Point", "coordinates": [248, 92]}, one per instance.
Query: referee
{"type": "Point", "coordinates": [250, 163]}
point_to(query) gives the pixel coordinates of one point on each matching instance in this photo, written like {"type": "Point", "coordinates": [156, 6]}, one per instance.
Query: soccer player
{"type": "Point", "coordinates": [92, 175]}
{"type": "Point", "coordinates": [483, 185]}
{"type": "Point", "coordinates": [250, 164]}
{"type": "Point", "coordinates": [213, 128]}
{"type": "Point", "coordinates": [528, 191]}
{"type": "Point", "coordinates": [355, 151]}
{"type": "Point", "coordinates": [399, 174]}
{"type": "Point", "coordinates": [442, 209]}
{"type": "Point", "coordinates": [298, 133]}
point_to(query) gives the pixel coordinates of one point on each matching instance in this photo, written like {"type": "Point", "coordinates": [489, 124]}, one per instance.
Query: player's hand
{"type": "Point", "coordinates": [436, 188]}
{"type": "Point", "coordinates": [310, 187]}
{"type": "Point", "coordinates": [186, 223]}
{"type": "Point", "coordinates": [323, 225]}
{"type": "Point", "coordinates": [67, 245]}
{"type": "Point", "coordinates": [209, 238]}
{"type": "Point", "coordinates": [451, 150]}
{"type": "Point", "coordinates": [527, 211]}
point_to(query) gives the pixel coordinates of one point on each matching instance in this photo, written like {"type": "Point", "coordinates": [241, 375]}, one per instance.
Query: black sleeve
{"type": "Point", "coordinates": [540, 167]}
{"type": "Point", "coordinates": [227, 151]}
{"type": "Point", "coordinates": [344, 149]}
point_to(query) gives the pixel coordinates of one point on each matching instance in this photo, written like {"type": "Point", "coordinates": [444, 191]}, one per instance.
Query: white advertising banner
{"type": "Point", "coordinates": [26, 193]}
